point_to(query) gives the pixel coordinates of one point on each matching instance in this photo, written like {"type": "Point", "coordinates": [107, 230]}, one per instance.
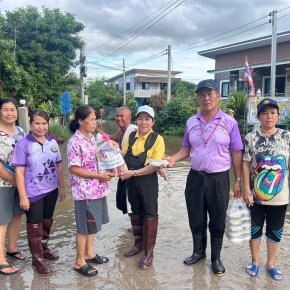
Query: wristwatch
{"type": "Point", "coordinates": [238, 178]}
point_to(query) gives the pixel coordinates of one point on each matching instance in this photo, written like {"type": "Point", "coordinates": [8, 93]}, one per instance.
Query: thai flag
{"type": "Point", "coordinates": [248, 78]}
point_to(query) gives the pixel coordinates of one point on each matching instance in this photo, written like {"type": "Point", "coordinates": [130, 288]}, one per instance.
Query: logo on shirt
{"type": "Point", "coordinates": [271, 173]}
{"type": "Point", "coordinates": [54, 149]}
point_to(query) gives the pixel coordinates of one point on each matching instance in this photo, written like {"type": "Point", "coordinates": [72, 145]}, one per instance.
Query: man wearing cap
{"type": "Point", "coordinates": [266, 188]}
{"type": "Point", "coordinates": [212, 141]}
{"type": "Point", "coordinates": [142, 184]}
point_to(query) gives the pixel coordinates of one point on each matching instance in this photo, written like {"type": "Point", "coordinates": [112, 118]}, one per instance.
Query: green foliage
{"type": "Point", "coordinates": [101, 94]}
{"type": "Point", "coordinates": [237, 103]}
{"type": "Point", "coordinates": [59, 131]}
{"type": "Point", "coordinates": [183, 89]}
{"type": "Point", "coordinates": [287, 123]}
{"type": "Point", "coordinates": [45, 52]}
{"type": "Point", "coordinates": [173, 118]}
{"type": "Point", "coordinates": [131, 104]}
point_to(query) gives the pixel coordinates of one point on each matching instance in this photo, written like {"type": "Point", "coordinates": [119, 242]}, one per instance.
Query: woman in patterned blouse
{"type": "Point", "coordinates": [10, 211]}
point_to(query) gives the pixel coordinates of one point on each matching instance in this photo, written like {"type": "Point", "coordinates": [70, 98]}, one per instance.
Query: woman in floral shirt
{"type": "Point", "coordinates": [10, 211]}
{"type": "Point", "coordinates": [89, 189]}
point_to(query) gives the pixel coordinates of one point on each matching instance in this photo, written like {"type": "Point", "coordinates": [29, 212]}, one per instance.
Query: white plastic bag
{"type": "Point", "coordinates": [109, 158]}
{"type": "Point", "coordinates": [238, 221]}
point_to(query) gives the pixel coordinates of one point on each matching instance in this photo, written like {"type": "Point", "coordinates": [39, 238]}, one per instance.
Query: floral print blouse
{"type": "Point", "coordinates": [81, 152]}
{"type": "Point", "coordinates": [7, 145]}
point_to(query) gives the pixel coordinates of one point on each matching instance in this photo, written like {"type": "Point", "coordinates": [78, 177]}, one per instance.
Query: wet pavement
{"type": "Point", "coordinates": [173, 244]}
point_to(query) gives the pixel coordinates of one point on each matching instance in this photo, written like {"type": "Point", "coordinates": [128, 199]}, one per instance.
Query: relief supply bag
{"type": "Point", "coordinates": [109, 158]}
{"type": "Point", "coordinates": [238, 221]}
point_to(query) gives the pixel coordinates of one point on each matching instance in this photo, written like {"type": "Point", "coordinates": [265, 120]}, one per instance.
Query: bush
{"type": "Point", "coordinates": [172, 120]}
{"type": "Point", "coordinates": [157, 102]}
{"type": "Point", "coordinates": [131, 104]}
{"type": "Point", "coordinates": [59, 131]}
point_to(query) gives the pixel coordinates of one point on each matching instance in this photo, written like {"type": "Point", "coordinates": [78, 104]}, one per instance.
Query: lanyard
{"type": "Point", "coordinates": [211, 134]}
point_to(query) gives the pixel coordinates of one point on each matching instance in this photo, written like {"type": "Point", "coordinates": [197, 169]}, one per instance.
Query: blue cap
{"type": "Point", "coordinates": [266, 102]}
{"type": "Point", "coordinates": [207, 84]}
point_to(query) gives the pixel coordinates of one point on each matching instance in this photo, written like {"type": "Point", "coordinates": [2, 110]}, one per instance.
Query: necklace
{"type": "Point", "coordinates": [205, 142]}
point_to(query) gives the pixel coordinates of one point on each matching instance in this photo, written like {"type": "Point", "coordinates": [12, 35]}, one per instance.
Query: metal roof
{"type": "Point", "coordinates": [243, 45]}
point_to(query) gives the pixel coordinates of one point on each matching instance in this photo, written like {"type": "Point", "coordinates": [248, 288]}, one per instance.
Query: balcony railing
{"type": "Point", "coordinates": [145, 93]}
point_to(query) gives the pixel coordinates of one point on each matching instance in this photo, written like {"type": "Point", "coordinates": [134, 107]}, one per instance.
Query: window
{"type": "Point", "coordinates": [225, 89]}
{"type": "Point", "coordinates": [145, 86]}
{"type": "Point", "coordinates": [127, 86]}
{"type": "Point", "coordinates": [163, 86]}
{"type": "Point", "coordinates": [279, 85]}
{"type": "Point", "coordinates": [242, 86]}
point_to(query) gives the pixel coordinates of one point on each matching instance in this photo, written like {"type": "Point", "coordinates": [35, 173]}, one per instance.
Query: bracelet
{"type": "Point", "coordinates": [135, 174]}
{"type": "Point", "coordinates": [238, 178]}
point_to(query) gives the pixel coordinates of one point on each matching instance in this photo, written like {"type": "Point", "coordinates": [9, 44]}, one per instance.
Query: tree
{"type": "Point", "coordinates": [101, 94]}
{"type": "Point", "coordinates": [46, 44]}
{"type": "Point", "coordinates": [237, 103]}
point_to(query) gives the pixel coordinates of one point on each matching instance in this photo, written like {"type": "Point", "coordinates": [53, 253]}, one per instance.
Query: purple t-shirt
{"type": "Point", "coordinates": [40, 162]}
{"type": "Point", "coordinates": [211, 143]}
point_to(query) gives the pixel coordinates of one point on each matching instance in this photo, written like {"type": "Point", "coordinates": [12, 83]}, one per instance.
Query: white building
{"type": "Point", "coordinates": [143, 83]}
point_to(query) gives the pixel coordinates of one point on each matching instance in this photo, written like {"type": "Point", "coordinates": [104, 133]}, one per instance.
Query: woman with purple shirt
{"type": "Point", "coordinates": [39, 179]}
{"type": "Point", "coordinates": [89, 189]}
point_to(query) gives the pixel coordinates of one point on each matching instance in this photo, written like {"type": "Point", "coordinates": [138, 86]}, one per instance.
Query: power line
{"type": "Point", "coordinates": [154, 56]}
{"type": "Point", "coordinates": [283, 16]}
{"type": "Point", "coordinates": [133, 37]}
{"type": "Point", "coordinates": [284, 9]}
{"type": "Point", "coordinates": [135, 25]}
{"type": "Point", "coordinates": [237, 28]}
{"type": "Point", "coordinates": [178, 51]}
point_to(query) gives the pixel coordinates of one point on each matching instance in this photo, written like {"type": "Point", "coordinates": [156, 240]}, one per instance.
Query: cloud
{"type": "Point", "coordinates": [107, 24]}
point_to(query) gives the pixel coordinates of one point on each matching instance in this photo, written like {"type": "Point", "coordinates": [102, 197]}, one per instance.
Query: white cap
{"type": "Point", "coordinates": [146, 109]}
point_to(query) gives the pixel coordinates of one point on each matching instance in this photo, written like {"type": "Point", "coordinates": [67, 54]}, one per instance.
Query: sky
{"type": "Point", "coordinates": [112, 28]}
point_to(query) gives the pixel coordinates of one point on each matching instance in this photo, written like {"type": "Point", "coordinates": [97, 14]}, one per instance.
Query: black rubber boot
{"type": "Point", "coordinates": [216, 247]}
{"type": "Point", "coordinates": [199, 247]}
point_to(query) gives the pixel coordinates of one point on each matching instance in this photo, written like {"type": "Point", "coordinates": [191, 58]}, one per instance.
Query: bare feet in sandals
{"type": "Point", "coordinates": [18, 255]}
{"type": "Point", "coordinates": [6, 269]}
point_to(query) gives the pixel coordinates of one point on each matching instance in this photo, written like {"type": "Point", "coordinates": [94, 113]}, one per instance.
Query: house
{"type": "Point", "coordinates": [230, 63]}
{"type": "Point", "coordinates": [143, 83]}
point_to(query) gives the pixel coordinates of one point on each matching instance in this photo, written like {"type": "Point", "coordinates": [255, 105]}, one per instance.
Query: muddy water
{"type": "Point", "coordinates": [173, 245]}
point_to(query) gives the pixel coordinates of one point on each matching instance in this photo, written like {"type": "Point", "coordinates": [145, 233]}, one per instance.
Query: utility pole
{"type": "Point", "coordinates": [83, 73]}
{"type": "Point", "coordinates": [169, 74]}
{"type": "Point", "coordinates": [273, 20]}
{"type": "Point", "coordinates": [124, 83]}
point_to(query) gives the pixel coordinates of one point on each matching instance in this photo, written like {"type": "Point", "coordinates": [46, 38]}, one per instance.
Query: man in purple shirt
{"type": "Point", "coordinates": [212, 141]}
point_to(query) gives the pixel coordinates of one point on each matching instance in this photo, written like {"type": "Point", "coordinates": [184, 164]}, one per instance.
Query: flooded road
{"type": "Point", "coordinates": [173, 244]}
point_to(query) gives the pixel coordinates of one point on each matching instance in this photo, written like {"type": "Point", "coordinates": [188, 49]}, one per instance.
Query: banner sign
{"type": "Point", "coordinates": [252, 102]}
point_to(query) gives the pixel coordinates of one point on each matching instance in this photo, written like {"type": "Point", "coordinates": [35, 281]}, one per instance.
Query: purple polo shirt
{"type": "Point", "coordinates": [211, 143]}
{"type": "Point", "coordinates": [40, 162]}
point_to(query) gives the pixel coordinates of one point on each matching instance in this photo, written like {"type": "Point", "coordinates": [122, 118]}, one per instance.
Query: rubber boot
{"type": "Point", "coordinates": [199, 247]}
{"type": "Point", "coordinates": [34, 236]}
{"type": "Point", "coordinates": [216, 247]}
{"type": "Point", "coordinates": [149, 238]}
{"type": "Point", "coordinates": [47, 254]}
{"type": "Point", "coordinates": [137, 226]}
